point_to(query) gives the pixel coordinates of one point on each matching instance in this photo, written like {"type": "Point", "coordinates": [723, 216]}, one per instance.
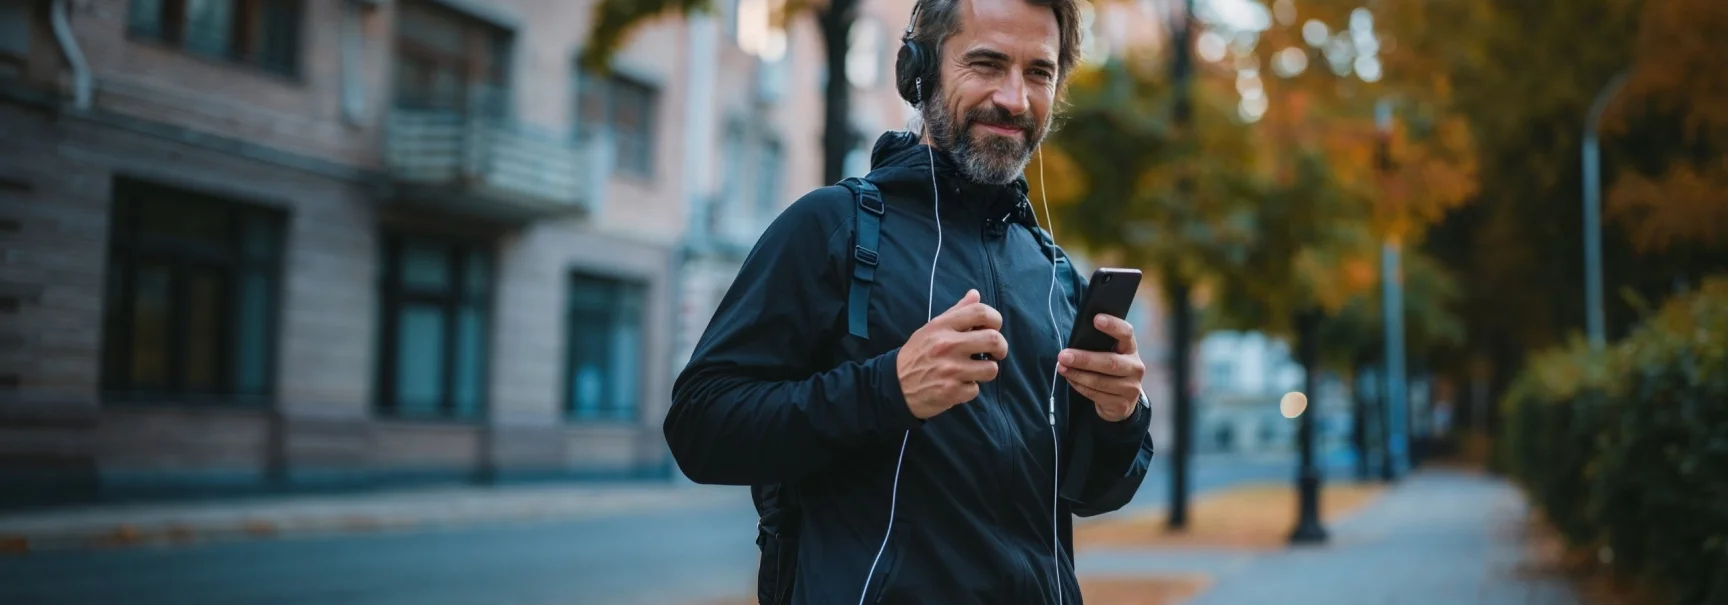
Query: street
{"type": "Point", "coordinates": [669, 557]}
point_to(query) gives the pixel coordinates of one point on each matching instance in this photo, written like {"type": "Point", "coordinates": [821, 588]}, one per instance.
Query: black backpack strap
{"type": "Point", "coordinates": [869, 210]}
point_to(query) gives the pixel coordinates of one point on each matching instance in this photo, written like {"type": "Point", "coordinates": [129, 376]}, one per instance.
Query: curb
{"type": "Point", "coordinates": [130, 533]}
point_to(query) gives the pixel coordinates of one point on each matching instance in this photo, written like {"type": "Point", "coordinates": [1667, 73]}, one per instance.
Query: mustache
{"type": "Point", "coordinates": [997, 116]}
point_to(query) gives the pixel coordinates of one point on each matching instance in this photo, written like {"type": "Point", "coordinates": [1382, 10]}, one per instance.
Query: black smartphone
{"type": "Point", "coordinates": [1110, 292]}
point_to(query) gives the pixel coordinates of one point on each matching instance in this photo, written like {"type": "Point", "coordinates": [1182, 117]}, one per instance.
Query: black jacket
{"type": "Point", "coordinates": [778, 392]}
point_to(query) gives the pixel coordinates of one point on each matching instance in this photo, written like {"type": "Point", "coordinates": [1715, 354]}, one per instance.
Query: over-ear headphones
{"type": "Point", "coordinates": [914, 64]}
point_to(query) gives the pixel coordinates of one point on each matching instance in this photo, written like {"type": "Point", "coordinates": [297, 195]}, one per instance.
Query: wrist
{"type": "Point", "coordinates": [900, 412]}
{"type": "Point", "coordinates": [1128, 428]}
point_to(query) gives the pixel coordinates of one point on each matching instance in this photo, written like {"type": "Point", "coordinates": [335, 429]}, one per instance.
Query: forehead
{"type": "Point", "coordinates": [1016, 26]}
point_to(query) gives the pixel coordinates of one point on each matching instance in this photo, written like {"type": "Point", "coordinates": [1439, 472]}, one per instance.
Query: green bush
{"type": "Point", "coordinates": [1627, 449]}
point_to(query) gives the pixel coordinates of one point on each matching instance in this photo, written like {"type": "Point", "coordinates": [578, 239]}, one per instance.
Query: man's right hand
{"type": "Point", "coordinates": [936, 366]}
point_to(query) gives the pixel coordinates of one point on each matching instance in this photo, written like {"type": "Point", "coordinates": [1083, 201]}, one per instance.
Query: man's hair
{"type": "Point", "coordinates": [940, 19]}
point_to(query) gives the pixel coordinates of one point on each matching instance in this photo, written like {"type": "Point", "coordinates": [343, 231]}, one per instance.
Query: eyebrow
{"type": "Point", "coordinates": [996, 55]}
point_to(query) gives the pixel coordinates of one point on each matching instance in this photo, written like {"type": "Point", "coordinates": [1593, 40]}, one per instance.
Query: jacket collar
{"type": "Point", "coordinates": [900, 164]}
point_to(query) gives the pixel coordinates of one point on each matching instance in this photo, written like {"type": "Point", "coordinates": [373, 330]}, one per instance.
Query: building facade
{"type": "Point", "coordinates": [274, 243]}
{"type": "Point", "coordinates": [258, 245]}
{"type": "Point", "coordinates": [1243, 378]}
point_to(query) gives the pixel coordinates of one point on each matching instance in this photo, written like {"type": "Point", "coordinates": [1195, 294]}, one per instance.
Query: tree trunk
{"type": "Point", "coordinates": [1308, 528]}
{"type": "Point", "coordinates": [1181, 308]}
{"type": "Point", "coordinates": [838, 140]}
{"type": "Point", "coordinates": [1181, 339]}
{"type": "Point", "coordinates": [1359, 422]}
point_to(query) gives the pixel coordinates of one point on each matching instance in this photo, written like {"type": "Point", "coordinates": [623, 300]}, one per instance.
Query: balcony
{"type": "Point", "coordinates": [492, 168]}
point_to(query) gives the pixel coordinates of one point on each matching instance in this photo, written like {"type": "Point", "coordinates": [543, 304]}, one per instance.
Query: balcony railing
{"type": "Point", "coordinates": [493, 166]}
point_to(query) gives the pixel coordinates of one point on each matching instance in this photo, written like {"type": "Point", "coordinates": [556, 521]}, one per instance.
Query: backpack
{"type": "Point", "coordinates": [778, 512]}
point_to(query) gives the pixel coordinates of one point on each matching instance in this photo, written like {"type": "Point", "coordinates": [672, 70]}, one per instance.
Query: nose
{"type": "Point", "coordinates": [1011, 95]}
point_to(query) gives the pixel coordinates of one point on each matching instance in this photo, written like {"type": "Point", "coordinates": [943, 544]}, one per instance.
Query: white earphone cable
{"type": "Point", "coordinates": [1055, 441]}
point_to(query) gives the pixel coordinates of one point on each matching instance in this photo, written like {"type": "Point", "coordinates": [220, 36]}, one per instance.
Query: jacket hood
{"type": "Point", "coordinates": [900, 165]}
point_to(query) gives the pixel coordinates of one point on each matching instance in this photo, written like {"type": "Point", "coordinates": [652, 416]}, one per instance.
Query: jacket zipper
{"type": "Point", "coordinates": [998, 424]}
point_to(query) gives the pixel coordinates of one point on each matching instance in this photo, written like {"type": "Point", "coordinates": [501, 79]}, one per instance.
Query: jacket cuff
{"type": "Point", "coordinates": [892, 411]}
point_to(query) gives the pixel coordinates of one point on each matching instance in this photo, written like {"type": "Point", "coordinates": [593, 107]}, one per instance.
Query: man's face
{"type": "Point", "coordinates": [998, 81]}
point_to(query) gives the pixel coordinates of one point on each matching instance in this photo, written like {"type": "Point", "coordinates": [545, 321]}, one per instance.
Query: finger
{"type": "Point", "coordinates": [977, 371]}
{"type": "Point", "coordinates": [1111, 364]}
{"type": "Point", "coordinates": [1117, 328]}
{"type": "Point", "coordinates": [972, 317]}
{"type": "Point", "coordinates": [970, 297]}
{"type": "Point", "coordinates": [966, 392]}
{"type": "Point", "coordinates": [1114, 386]}
{"type": "Point", "coordinates": [983, 341]}
{"type": "Point", "coordinates": [1089, 392]}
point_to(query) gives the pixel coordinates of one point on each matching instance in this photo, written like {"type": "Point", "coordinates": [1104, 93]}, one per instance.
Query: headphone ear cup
{"type": "Point", "coordinates": [910, 65]}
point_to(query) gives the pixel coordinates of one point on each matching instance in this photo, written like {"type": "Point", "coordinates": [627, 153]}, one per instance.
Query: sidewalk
{"type": "Point", "coordinates": [183, 522]}
{"type": "Point", "coordinates": [1440, 537]}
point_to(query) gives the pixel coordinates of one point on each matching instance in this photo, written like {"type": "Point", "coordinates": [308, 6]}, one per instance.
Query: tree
{"type": "Point", "coordinates": [1676, 198]}
{"type": "Point", "coordinates": [1334, 196]}
{"type": "Point", "coordinates": [614, 20]}
{"type": "Point", "coordinates": [1523, 74]}
{"type": "Point", "coordinates": [1134, 193]}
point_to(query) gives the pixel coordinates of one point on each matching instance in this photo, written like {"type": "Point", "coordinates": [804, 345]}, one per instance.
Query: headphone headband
{"type": "Point", "coordinates": [911, 22]}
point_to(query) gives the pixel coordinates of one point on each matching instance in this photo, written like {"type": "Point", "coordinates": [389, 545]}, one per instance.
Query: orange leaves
{"type": "Point", "coordinates": [1334, 278]}
{"type": "Point", "coordinates": [1055, 174]}
{"type": "Point", "coordinates": [1678, 65]}
{"type": "Point", "coordinates": [1685, 205]}
{"type": "Point", "coordinates": [1432, 175]}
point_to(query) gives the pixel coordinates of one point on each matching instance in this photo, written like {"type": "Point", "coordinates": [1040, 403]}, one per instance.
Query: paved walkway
{"type": "Point", "coordinates": [403, 509]}
{"type": "Point", "coordinates": [1440, 537]}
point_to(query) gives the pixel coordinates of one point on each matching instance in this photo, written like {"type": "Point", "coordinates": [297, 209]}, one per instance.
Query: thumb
{"type": "Point", "coordinates": [970, 297]}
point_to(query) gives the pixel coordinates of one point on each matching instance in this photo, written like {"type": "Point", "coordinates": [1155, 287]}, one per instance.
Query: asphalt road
{"type": "Point", "coordinates": [672, 557]}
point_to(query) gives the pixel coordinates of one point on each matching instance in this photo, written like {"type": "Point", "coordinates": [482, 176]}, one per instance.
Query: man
{"type": "Point", "coordinates": [893, 461]}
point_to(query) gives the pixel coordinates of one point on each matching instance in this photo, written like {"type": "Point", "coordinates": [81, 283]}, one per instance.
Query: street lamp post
{"type": "Point", "coordinates": [1393, 314]}
{"type": "Point", "coordinates": [1593, 318]}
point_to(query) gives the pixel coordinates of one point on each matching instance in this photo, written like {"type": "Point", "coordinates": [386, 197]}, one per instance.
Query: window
{"type": "Point", "coordinates": [191, 297]}
{"type": "Point", "coordinates": [15, 19]}
{"type": "Point", "coordinates": [731, 176]}
{"type": "Point", "coordinates": [771, 170]}
{"type": "Point", "coordinates": [605, 357]}
{"type": "Point", "coordinates": [1218, 375]}
{"type": "Point", "coordinates": [436, 296]}
{"type": "Point", "coordinates": [864, 57]}
{"type": "Point", "coordinates": [261, 33]}
{"type": "Point", "coordinates": [446, 60]}
{"type": "Point", "coordinates": [627, 107]}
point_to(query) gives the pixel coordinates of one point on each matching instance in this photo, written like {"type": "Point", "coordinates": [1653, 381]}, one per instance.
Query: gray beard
{"type": "Point", "coordinates": [993, 161]}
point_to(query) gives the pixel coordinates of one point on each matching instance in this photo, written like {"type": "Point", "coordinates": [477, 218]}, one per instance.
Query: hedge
{"type": "Point", "coordinates": [1626, 451]}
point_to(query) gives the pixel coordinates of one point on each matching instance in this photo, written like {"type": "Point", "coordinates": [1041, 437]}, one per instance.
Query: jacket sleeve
{"type": "Point", "coordinates": [1108, 460]}
{"type": "Point", "coordinates": [1121, 453]}
{"type": "Point", "coordinates": [755, 404]}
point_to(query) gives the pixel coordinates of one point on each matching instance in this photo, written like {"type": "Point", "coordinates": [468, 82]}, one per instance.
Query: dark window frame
{"type": "Point", "coordinates": [610, 91]}
{"type": "Point", "coordinates": [249, 32]}
{"type": "Point", "coordinates": [131, 250]}
{"type": "Point", "coordinates": [485, 61]}
{"type": "Point", "coordinates": [395, 297]}
{"type": "Point", "coordinates": [618, 287]}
